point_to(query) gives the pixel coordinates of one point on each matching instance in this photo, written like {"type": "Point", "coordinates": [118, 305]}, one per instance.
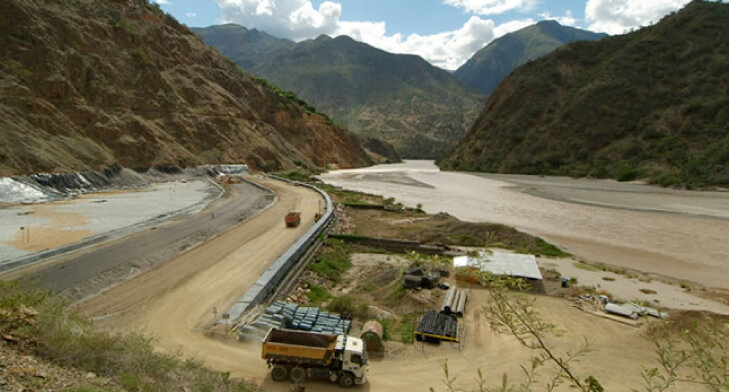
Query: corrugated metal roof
{"type": "Point", "coordinates": [501, 263]}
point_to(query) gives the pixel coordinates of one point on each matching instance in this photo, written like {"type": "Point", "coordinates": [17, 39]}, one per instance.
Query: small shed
{"type": "Point", "coordinates": [372, 336]}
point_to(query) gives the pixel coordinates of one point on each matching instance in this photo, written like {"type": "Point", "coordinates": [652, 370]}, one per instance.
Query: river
{"type": "Point", "coordinates": [675, 233]}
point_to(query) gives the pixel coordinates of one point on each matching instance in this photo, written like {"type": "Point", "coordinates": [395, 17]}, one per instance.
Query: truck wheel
{"type": "Point", "coordinates": [298, 375]}
{"type": "Point", "coordinates": [279, 373]}
{"type": "Point", "coordinates": [346, 380]}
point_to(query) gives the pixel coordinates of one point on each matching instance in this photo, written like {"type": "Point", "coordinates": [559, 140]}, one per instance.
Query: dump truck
{"type": "Point", "coordinates": [298, 355]}
{"type": "Point", "coordinates": [292, 219]}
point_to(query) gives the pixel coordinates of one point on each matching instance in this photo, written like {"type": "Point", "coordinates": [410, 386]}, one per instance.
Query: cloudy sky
{"type": "Point", "coordinates": [444, 32]}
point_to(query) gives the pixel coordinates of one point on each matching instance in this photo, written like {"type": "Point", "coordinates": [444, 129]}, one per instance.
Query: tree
{"type": "Point", "coordinates": [511, 311]}
{"type": "Point", "coordinates": [694, 354]}
{"type": "Point", "coordinates": [697, 353]}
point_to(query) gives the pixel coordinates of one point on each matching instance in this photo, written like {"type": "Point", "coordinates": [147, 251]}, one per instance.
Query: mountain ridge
{"type": "Point", "coordinates": [399, 98]}
{"type": "Point", "coordinates": [97, 83]}
{"type": "Point", "coordinates": [487, 67]}
{"type": "Point", "coordinates": [652, 104]}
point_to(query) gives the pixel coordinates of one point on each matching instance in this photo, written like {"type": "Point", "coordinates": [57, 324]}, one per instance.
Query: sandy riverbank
{"type": "Point", "coordinates": [678, 244]}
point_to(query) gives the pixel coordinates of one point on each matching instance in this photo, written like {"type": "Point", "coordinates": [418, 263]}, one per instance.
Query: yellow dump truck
{"type": "Point", "coordinates": [298, 355]}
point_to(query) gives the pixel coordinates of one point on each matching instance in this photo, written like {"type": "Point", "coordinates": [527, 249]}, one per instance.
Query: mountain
{"type": "Point", "coordinates": [89, 83]}
{"type": "Point", "coordinates": [488, 66]}
{"type": "Point", "coordinates": [651, 104]}
{"type": "Point", "coordinates": [402, 99]}
{"type": "Point", "coordinates": [246, 47]}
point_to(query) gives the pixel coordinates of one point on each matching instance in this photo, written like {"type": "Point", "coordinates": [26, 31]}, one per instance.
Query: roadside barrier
{"type": "Point", "coordinates": [274, 274]}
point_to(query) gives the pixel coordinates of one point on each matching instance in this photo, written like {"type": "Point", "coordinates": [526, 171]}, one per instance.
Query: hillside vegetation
{"type": "Point", "coordinates": [490, 65]}
{"type": "Point", "coordinates": [401, 99]}
{"type": "Point", "coordinates": [43, 347]}
{"type": "Point", "coordinates": [89, 83]}
{"type": "Point", "coordinates": [651, 104]}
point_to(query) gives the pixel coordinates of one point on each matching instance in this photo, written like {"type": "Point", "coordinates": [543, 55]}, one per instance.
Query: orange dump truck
{"type": "Point", "coordinates": [292, 219]}
{"type": "Point", "coordinates": [298, 355]}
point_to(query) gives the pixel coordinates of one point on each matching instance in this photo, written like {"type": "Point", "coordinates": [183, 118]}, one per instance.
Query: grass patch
{"type": "Point", "coordinates": [401, 331]}
{"type": "Point", "coordinates": [587, 267]}
{"type": "Point", "coordinates": [394, 296]}
{"type": "Point", "coordinates": [44, 327]}
{"type": "Point", "coordinates": [405, 328]}
{"type": "Point", "coordinates": [648, 291]}
{"type": "Point", "coordinates": [317, 294]}
{"type": "Point", "coordinates": [332, 261]}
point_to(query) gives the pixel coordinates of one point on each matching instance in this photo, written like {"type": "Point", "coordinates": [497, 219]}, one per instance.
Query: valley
{"type": "Point", "coordinates": [404, 196]}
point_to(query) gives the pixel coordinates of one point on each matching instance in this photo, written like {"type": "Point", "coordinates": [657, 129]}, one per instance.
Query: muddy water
{"type": "Point", "coordinates": [681, 234]}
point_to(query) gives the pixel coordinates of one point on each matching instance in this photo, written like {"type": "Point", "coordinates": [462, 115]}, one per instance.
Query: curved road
{"type": "Point", "coordinates": [147, 247]}
{"type": "Point", "coordinates": [180, 299]}
{"type": "Point", "coordinates": [178, 302]}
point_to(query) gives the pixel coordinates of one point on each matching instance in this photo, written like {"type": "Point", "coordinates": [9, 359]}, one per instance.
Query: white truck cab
{"type": "Point", "coordinates": [355, 358]}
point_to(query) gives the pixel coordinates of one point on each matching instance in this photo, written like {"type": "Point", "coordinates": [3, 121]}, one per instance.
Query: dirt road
{"type": "Point", "coordinates": [178, 300]}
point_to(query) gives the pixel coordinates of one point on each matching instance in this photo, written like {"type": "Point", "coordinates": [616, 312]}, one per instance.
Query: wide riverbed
{"type": "Point", "coordinates": [681, 234]}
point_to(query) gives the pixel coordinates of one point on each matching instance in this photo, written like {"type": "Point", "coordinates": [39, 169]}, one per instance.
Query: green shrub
{"type": "Point", "coordinates": [405, 328]}
{"type": "Point", "coordinates": [68, 340]}
{"type": "Point", "coordinates": [332, 261]}
{"type": "Point", "coordinates": [347, 304]}
{"type": "Point", "coordinates": [317, 294]}
{"type": "Point", "coordinates": [627, 173]}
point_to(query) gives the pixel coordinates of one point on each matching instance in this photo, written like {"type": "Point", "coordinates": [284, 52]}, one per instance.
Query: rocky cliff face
{"type": "Point", "coordinates": [89, 83]}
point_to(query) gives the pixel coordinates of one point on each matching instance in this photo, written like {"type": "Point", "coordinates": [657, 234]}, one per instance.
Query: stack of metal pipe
{"type": "Point", "coordinates": [448, 301]}
{"type": "Point", "coordinates": [454, 302]}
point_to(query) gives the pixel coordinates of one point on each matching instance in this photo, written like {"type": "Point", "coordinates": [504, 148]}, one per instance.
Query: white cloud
{"type": "Point", "coordinates": [619, 16]}
{"type": "Point", "coordinates": [566, 20]}
{"type": "Point", "coordinates": [292, 19]}
{"type": "Point", "coordinates": [191, 14]}
{"type": "Point", "coordinates": [490, 7]}
{"type": "Point", "coordinates": [447, 49]}
{"type": "Point", "coordinates": [162, 1]}
{"type": "Point", "coordinates": [299, 20]}
{"type": "Point", "coordinates": [512, 25]}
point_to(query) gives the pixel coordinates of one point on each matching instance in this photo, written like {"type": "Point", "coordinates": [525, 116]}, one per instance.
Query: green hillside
{"type": "Point", "coordinates": [490, 65]}
{"type": "Point", "coordinates": [651, 104]}
{"type": "Point", "coordinates": [402, 99]}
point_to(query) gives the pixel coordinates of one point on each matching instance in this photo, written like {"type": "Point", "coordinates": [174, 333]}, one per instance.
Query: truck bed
{"type": "Point", "coordinates": [298, 346]}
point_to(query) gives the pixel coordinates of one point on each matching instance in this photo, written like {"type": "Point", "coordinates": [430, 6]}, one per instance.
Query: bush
{"type": "Point", "coordinates": [627, 173]}
{"type": "Point", "coordinates": [332, 261]}
{"type": "Point", "coordinates": [71, 341]}
{"type": "Point", "coordinates": [347, 304]}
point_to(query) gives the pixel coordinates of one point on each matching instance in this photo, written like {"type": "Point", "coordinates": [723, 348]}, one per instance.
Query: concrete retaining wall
{"type": "Point", "coordinates": [274, 274]}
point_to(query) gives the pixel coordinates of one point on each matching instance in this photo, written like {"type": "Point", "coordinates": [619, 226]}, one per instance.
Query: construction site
{"type": "Point", "coordinates": [286, 283]}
